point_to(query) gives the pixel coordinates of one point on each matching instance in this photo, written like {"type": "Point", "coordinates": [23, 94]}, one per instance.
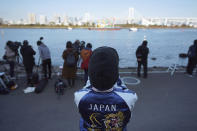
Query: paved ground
{"type": "Point", "coordinates": [166, 103]}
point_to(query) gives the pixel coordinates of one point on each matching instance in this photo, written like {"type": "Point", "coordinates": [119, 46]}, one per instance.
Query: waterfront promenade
{"type": "Point", "coordinates": [165, 103]}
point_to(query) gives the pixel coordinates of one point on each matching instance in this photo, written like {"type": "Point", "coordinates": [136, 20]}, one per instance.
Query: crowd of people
{"type": "Point", "coordinates": [105, 102]}
{"type": "Point", "coordinates": [71, 55]}
{"type": "Point", "coordinates": [28, 60]}
{"type": "Point", "coordinates": [73, 52]}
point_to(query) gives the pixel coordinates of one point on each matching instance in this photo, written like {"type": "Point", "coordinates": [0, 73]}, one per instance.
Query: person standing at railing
{"type": "Point", "coordinates": [142, 58]}
{"type": "Point", "coordinates": [45, 56]}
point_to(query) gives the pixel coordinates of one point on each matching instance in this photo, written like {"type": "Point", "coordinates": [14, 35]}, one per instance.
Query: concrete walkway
{"type": "Point", "coordinates": [166, 103]}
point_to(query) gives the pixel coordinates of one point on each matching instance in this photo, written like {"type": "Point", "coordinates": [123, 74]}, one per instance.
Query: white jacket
{"type": "Point", "coordinates": [10, 54]}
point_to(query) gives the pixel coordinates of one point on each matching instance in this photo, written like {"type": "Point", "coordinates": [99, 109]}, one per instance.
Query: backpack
{"type": "Point", "coordinates": [70, 60]}
{"type": "Point", "coordinates": [41, 85]}
{"type": "Point", "coordinates": [191, 52]}
{"type": "Point", "coordinates": [59, 86]}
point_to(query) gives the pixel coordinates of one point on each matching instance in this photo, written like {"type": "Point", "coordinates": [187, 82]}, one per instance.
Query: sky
{"type": "Point", "coordinates": [19, 9]}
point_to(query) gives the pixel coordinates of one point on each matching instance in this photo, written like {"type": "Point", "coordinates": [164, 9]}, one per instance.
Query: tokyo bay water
{"type": "Point", "coordinates": [164, 44]}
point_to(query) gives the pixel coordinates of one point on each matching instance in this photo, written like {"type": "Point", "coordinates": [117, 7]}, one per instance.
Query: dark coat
{"type": "Point", "coordinates": [142, 52]}
{"type": "Point", "coordinates": [69, 72]}
{"type": "Point", "coordinates": [193, 48]}
{"type": "Point", "coordinates": [28, 55]}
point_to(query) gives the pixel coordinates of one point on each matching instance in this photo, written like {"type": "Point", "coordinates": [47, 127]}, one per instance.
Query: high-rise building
{"type": "Point", "coordinates": [86, 17]}
{"type": "Point", "coordinates": [43, 20]}
{"type": "Point", "coordinates": [57, 19]}
{"type": "Point", "coordinates": [131, 15]}
{"type": "Point", "coordinates": [65, 20]}
{"type": "Point", "coordinates": [31, 18]}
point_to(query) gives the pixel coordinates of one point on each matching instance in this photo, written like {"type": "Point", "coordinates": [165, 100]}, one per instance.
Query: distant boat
{"type": "Point", "coordinates": [104, 29]}
{"type": "Point", "coordinates": [133, 29]}
{"type": "Point", "coordinates": [69, 28]}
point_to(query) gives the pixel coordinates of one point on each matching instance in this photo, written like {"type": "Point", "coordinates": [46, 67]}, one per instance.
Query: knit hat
{"type": "Point", "coordinates": [103, 68]}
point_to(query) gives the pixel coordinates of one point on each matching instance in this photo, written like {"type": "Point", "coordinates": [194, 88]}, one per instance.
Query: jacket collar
{"type": "Point", "coordinates": [109, 90]}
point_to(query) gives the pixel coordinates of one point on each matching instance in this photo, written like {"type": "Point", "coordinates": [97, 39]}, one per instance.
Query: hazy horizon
{"type": "Point", "coordinates": [19, 9]}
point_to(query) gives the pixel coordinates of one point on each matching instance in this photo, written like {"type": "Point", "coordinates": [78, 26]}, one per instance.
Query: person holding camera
{"type": "Point", "coordinates": [28, 53]}
{"type": "Point", "coordinates": [10, 57]}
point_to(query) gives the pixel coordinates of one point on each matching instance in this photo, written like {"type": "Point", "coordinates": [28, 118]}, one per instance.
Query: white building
{"type": "Point", "coordinates": [31, 18]}
{"type": "Point", "coordinates": [65, 20]}
{"type": "Point", "coordinates": [20, 22]}
{"type": "Point", "coordinates": [57, 19]}
{"type": "Point", "coordinates": [174, 21]}
{"type": "Point", "coordinates": [11, 22]}
{"type": "Point", "coordinates": [43, 20]}
{"type": "Point", "coordinates": [131, 15]}
{"type": "Point", "coordinates": [86, 18]}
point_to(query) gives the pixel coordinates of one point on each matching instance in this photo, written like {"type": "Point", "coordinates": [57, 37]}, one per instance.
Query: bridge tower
{"type": "Point", "coordinates": [131, 15]}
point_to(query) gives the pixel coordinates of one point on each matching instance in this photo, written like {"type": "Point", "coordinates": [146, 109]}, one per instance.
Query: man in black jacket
{"type": "Point", "coordinates": [28, 59]}
{"type": "Point", "coordinates": [142, 56]}
{"type": "Point", "coordinates": [192, 58]}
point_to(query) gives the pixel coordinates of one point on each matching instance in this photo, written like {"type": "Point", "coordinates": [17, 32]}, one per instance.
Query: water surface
{"type": "Point", "coordinates": [164, 44]}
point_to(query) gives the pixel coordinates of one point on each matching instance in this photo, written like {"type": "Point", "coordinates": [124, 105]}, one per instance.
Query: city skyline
{"type": "Point", "coordinates": [18, 9]}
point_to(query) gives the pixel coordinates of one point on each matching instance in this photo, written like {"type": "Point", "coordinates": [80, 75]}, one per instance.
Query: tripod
{"type": "Point", "coordinates": [18, 64]}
